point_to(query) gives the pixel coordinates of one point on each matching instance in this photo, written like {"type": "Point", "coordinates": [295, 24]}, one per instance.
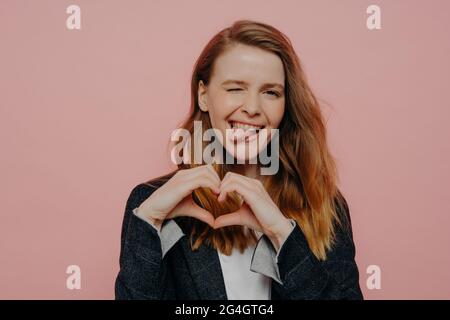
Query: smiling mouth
{"type": "Point", "coordinates": [244, 132]}
{"type": "Point", "coordinates": [245, 126]}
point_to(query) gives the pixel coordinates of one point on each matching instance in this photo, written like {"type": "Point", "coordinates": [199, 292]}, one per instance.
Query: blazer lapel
{"type": "Point", "coordinates": [204, 266]}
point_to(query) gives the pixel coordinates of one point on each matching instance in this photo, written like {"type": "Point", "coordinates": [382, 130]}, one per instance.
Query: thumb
{"type": "Point", "coordinates": [241, 217]}
{"type": "Point", "coordinates": [229, 219]}
{"type": "Point", "coordinates": [200, 214]}
{"type": "Point", "coordinates": [188, 208]}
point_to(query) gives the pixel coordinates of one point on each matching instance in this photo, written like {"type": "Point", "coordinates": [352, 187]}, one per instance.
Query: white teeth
{"type": "Point", "coordinates": [244, 126]}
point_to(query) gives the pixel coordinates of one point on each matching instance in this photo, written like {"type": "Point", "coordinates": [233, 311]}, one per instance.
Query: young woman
{"type": "Point", "coordinates": [224, 230]}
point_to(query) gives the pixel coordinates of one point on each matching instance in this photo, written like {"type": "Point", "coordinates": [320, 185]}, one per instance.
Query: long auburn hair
{"type": "Point", "coordinates": [305, 186]}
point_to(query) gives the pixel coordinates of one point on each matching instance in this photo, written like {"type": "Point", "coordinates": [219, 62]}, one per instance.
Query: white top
{"type": "Point", "coordinates": [240, 282]}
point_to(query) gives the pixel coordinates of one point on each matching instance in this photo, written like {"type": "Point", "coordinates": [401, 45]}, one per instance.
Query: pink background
{"type": "Point", "coordinates": [85, 115]}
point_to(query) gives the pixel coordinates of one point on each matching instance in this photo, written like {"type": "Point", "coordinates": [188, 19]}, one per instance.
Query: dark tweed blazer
{"type": "Point", "coordinates": [163, 266]}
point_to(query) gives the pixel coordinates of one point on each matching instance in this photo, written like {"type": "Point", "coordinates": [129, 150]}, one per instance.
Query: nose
{"type": "Point", "coordinates": [252, 105]}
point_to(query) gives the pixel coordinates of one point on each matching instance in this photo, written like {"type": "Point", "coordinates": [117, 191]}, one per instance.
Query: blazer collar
{"type": "Point", "coordinates": [205, 269]}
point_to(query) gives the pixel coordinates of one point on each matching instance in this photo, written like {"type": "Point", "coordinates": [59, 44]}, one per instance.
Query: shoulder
{"type": "Point", "coordinates": [342, 244]}
{"type": "Point", "coordinates": [342, 211]}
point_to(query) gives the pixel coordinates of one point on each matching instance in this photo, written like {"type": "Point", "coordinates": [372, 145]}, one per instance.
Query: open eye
{"type": "Point", "coordinates": [273, 93]}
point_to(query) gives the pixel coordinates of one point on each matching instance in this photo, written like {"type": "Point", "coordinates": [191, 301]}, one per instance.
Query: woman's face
{"type": "Point", "coordinates": [245, 92]}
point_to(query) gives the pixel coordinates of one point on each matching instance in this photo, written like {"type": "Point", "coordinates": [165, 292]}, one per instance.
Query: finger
{"type": "Point", "coordinates": [196, 181]}
{"type": "Point", "coordinates": [189, 208]}
{"type": "Point", "coordinates": [230, 219]}
{"type": "Point", "coordinates": [208, 172]}
{"type": "Point", "coordinates": [201, 214]}
{"type": "Point", "coordinates": [214, 173]}
{"type": "Point", "coordinates": [205, 182]}
{"type": "Point", "coordinates": [240, 217]}
{"type": "Point", "coordinates": [241, 187]}
{"type": "Point", "coordinates": [225, 181]}
{"type": "Point", "coordinates": [236, 176]}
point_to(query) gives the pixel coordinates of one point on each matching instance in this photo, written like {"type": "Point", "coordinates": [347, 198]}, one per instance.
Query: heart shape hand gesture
{"type": "Point", "coordinates": [258, 211]}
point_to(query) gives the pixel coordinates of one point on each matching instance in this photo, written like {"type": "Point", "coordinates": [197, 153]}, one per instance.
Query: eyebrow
{"type": "Point", "coordinates": [244, 83]}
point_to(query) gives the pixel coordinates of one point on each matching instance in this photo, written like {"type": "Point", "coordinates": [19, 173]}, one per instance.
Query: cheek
{"type": "Point", "coordinates": [222, 106]}
{"type": "Point", "coordinates": [274, 113]}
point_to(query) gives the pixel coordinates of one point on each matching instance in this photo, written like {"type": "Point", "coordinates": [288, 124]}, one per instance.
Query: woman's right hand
{"type": "Point", "coordinates": [174, 198]}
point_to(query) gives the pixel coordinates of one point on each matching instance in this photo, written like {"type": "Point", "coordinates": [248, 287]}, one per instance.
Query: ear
{"type": "Point", "coordinates": [202, 96]}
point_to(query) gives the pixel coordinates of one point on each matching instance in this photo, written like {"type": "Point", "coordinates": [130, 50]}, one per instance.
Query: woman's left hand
{"type": "Point", "coordinates": [258, 211]}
